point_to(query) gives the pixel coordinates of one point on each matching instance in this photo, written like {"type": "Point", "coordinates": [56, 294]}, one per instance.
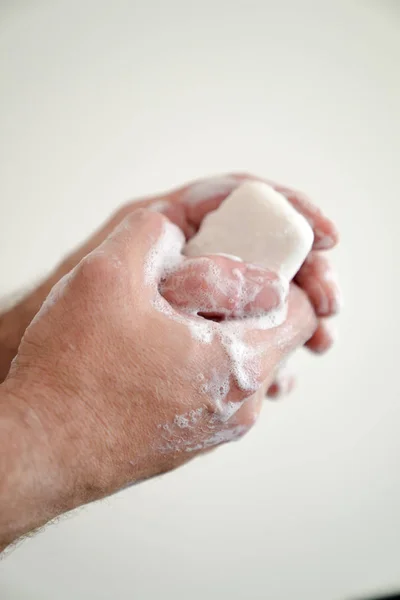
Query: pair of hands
{"type": "Point", "coordinates": [118, 378]}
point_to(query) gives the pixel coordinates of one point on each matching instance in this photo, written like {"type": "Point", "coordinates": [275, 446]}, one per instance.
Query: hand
{"type": "Point", "coordinates": [186, 207]}
{"type": "Point", "coordinates": [317, 277]}
{"type": "Point", "coordinates": [115, 382]}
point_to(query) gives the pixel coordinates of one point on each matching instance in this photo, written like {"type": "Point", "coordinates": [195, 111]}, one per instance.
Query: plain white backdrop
{"type": "Point", "coordinates": [103, 101]}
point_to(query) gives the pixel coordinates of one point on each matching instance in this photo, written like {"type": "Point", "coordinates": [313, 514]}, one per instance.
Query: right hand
{"type": "Point", "coordinates": [186, 207]}
{"type": "Point", "coordinates": [118, 383]}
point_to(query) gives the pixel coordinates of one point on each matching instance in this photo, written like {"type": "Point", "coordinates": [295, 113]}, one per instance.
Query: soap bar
{"type": "Point", "coordinates": [259, 225]}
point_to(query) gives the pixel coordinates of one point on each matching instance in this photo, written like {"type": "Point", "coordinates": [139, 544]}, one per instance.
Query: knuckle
{"type": "Point", "coordinates": [97, 267]}
{"type": "Point", "coordinates": [146, 218]}
{"type": "Point", "coordinates": [126, 209]}
{"type": "Point", "coordinates": [137, 215]}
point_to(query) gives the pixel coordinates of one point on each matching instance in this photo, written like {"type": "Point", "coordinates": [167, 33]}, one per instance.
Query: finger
{"type": "Point", "coordinates": [326, 235]}
{"type": "Point", "coordinates": [323, 338]}
{"type": "Point", "coordinates": [248, 414]}
{"type": "Point", "coordinates": [238, 425]}
{"type": "Point", "coordinates": [325, 232]}
{"type": "Point", "coordinates": [317, 278]}
{"type": "Point", "coordinates": [283, 384]}
{"type": "Point", "coordinates": [203, 196]}
{"type": "Point", "coordinates": [235, 358]}
{"type": "Point", "coordinates": [294, 330]}
{"type": "Point", "coordinates": [187, 205]}
{"type": "Point", "coordinates": [217, 287]}
{"type": "Point", "coordinates": [256, 348]}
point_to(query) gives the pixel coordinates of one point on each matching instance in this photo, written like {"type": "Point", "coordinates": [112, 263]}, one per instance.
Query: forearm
{"type": "Point", "coordinates": [34, 485]}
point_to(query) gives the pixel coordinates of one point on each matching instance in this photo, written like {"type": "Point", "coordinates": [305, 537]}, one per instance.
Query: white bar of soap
{"type": "Point", "coordinates": [260, 226]}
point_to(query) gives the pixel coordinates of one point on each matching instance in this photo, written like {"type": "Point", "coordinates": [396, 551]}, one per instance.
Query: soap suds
{"type": "Point", "coordinates": [200, 286]}
{"type": "Point", "coordinates": [165, 254]}
{"type": "Point", "coordinates": [219, 437]}
{"type": "Point", "coordinates": [176, 436]}
{"type": "Point", "coordinates": [216, 388]}
{"type": "Point", "coordinates": [243, 359]}
{"type": "Point", "coordinates": [189, 419]}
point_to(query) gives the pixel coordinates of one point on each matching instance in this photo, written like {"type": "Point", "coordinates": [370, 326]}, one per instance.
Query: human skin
{"type": "Point", "coordinates": [186, 207]}
{"type": "Point", "coordinates": [105, 391]}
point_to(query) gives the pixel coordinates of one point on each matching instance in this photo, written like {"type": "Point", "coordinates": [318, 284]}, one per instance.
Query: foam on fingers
{"type": "Point", "coordinates": [318, 279]}
{"type": "Point", "coordinates": [219, 287]}
{"type": "Point", "coordinates": [231, 287]}
{"type": "Point", "coordinates": [165, 254]}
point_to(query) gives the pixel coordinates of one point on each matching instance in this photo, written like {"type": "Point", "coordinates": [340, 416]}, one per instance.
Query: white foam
{"type": "Point", "coordinates": [220, 437]}
{"type": "Point", "coordinates": [216, 388]}
{"type": "Point", "coordinates": [228, 410]}
{"type": "Point", "coordinates": [243, 364]}
{"type": "Point", "coordinates": [165, 255]}
{"type": "Point", "coordinates": [242, 360]}
{"type": "Point", "coordinates": [222, 294]}
{"type": "Point", "coordinates": [190, 419]}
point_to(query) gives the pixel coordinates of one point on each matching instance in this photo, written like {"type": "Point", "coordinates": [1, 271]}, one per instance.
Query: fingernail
{"type": "Point", "coordinates": [325, 241]}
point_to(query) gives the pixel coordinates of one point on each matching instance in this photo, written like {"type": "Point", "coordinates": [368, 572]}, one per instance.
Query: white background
{"type": "Point", "coordinates": [101, 101]}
